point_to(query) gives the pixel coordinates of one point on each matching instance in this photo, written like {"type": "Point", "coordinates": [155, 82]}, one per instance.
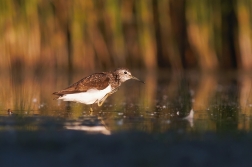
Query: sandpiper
{"type": "Point", "coordinates": [95, 88]}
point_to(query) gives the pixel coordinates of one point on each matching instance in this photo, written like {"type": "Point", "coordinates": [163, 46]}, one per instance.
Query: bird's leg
{"type": "Point", "coordinates": [102, 100]}
{"type": "Point", "coordinates": [105, 97]}
{"type": "Point", "coordinates": [91, 109]}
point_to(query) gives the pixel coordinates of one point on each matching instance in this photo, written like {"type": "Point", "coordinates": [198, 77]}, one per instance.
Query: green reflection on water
{"type": "Point", "coordinates": [220, 102]}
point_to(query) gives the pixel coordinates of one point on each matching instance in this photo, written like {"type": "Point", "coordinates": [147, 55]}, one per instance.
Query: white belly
{"type": "Point", "coordinates": [89, 97]}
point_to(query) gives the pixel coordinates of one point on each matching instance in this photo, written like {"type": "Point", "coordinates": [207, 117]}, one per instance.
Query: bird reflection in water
{"type": "Point", "coordinates": [89, 124]}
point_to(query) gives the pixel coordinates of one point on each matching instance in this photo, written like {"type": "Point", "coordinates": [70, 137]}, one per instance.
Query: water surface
{"type": "Point", "coordinates": [220, 102]}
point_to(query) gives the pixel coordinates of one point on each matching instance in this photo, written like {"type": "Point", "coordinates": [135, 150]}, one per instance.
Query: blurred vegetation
{"type": "Point", "coordinates": [149, 34]}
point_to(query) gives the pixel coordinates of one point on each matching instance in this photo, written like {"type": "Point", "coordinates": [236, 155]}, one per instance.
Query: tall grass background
{"type": "Point", "coordinates": [147, 34]}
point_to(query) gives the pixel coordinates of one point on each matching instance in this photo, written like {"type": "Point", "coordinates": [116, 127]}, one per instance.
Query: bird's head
{"type": "Point", "coordinates": [124, 75]}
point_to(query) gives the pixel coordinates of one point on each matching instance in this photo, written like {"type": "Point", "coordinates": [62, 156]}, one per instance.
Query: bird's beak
{"type": "Point", "coordinates": [135, 78]}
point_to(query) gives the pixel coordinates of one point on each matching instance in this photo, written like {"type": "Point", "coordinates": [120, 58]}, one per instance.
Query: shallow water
{"type": "Point", "coordinates": [220, 103]}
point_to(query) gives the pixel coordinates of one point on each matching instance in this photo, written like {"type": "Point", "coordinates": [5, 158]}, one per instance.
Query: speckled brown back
{"type": "Point", "coordinates": [97, 81]}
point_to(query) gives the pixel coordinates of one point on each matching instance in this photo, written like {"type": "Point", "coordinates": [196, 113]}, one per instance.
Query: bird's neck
{"type": "Point", "coordinates": [117, 82]}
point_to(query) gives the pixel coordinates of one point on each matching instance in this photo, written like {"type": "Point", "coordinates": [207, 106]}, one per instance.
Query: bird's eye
{"type": "Point", "coordinates": [125, 72]}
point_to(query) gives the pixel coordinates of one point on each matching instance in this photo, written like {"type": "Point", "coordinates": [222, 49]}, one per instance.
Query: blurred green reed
{"type": "Point", "coordinates": [149, 34]}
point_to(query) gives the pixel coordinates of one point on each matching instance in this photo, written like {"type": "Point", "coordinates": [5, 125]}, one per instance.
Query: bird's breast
{"type": "Point", "coordinates": [89, 97]}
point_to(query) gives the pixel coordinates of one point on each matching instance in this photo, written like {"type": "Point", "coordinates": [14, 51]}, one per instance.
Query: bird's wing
{"type": "Point", "coordinates": [97, 81]}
